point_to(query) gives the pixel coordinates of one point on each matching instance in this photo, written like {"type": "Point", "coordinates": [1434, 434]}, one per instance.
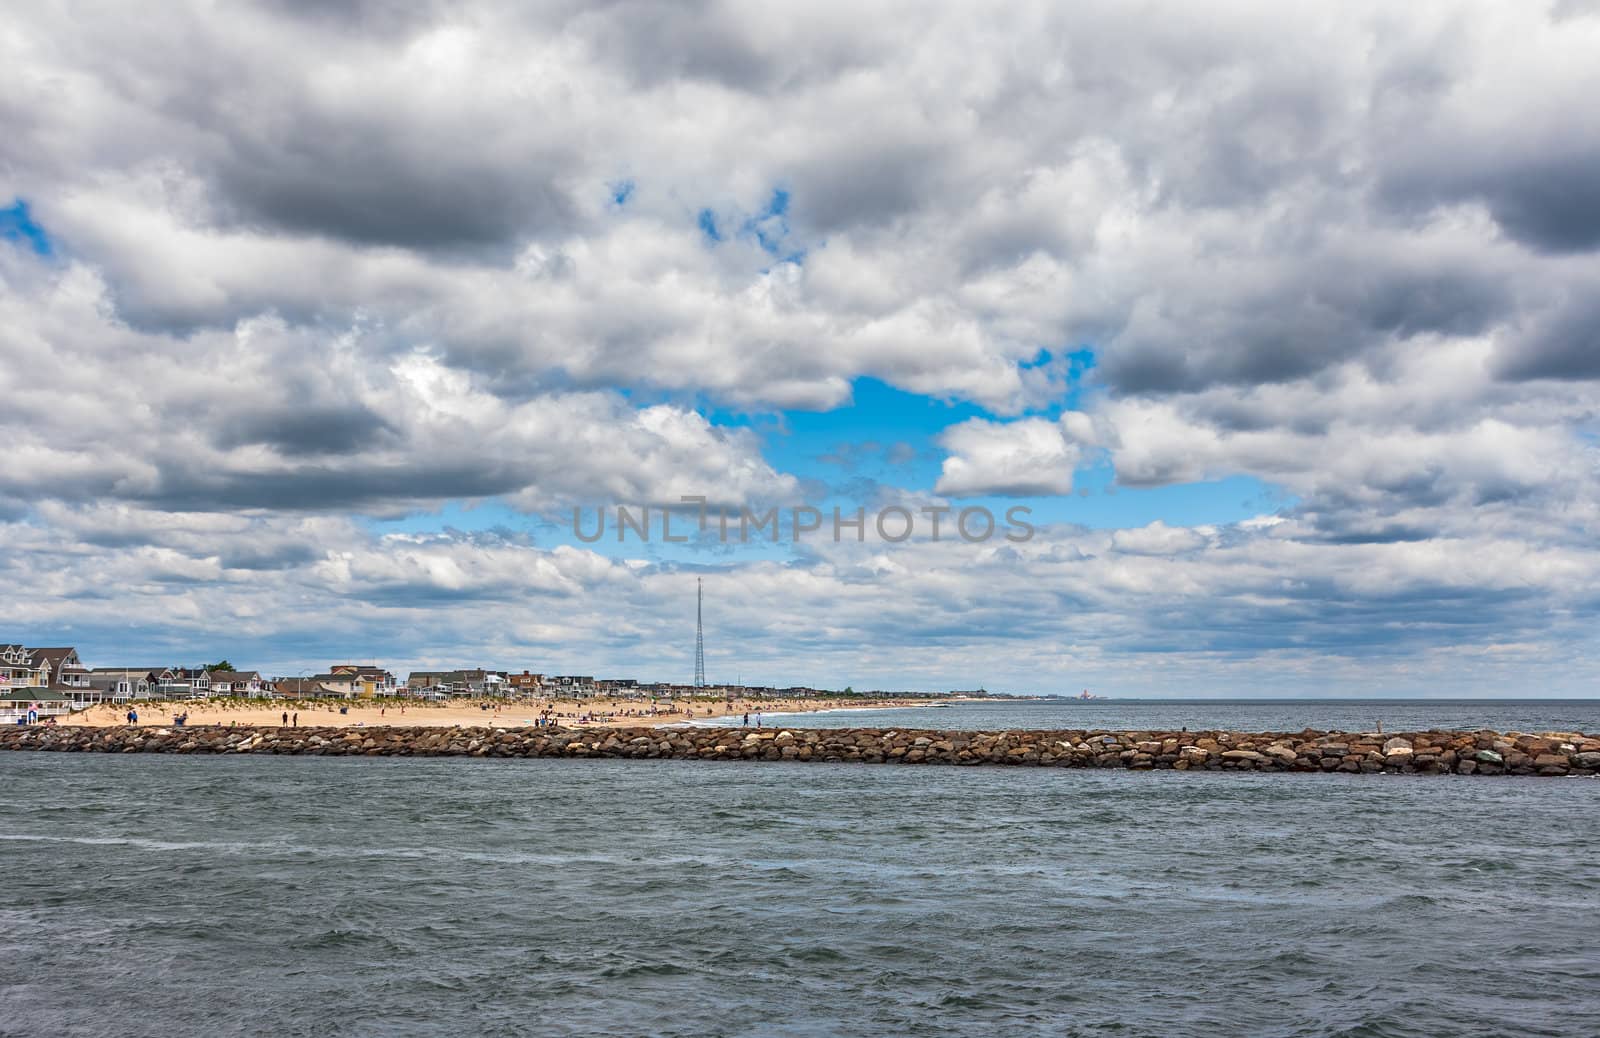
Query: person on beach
{"type": "Point", "coordinates": [286, 718]}
{"type": "Point", "coordinates": [758, 718]}
{"type": "Point", "coordinates": [297, 719]}
{"type": "Point", "coordinates": [747, 720]}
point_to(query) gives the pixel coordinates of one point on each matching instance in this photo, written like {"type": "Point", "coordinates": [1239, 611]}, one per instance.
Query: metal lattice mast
{"type": "Point", "coordinates": [699, 637]}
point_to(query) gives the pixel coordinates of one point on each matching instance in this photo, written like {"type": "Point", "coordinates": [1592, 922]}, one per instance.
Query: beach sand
{"type": "Point", "coordinates": [599, 713]}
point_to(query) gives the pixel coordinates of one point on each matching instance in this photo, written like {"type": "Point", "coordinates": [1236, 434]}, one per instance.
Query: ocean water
{"type": "Point", "coordinates": [215, 896]}
{"type": "Point", "coordinates": [1355, 715]}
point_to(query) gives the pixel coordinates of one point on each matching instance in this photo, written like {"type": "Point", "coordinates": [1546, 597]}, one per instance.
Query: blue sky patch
{"type": "Point", "coordinates": [707, 220]}
{"type": "Point", "coordinates": [878, 449]}
{"type": "Point", "coordinates": [18, 225]}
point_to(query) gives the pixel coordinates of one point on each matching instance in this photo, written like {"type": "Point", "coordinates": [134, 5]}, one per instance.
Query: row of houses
{"type": "Point", "coordinates": [54, 681]}
{"type": "Point", "coordinates": [50, 681]}
{"type": "Point", "coordinates": [479, 681]}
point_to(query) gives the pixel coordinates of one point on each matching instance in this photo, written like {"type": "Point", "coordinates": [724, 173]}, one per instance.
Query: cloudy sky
{"type": "Point", "coordinates": [318, 320]}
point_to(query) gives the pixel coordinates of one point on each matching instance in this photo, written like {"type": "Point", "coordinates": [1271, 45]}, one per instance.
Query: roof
{"type": "Point", "coordinates": [305, 687]}
{"type": "Point", "coordinates": [52, 658]}
{"type": "Point", "coordinates": [111, 679]}
{"type": "Point", "coordinates": [32, 695]}
{"type": "Point", "coordinates": [54, 655]}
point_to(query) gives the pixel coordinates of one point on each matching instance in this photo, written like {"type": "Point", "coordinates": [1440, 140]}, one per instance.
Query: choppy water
{"type": "Point", "coordinates": [1351, 715]}
{"type": "Point", "coordinates": [322, 896]}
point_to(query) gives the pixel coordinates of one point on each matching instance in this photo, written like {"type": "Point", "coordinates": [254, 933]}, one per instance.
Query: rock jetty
{"type": "Point", "coordinates": [1422, 753]}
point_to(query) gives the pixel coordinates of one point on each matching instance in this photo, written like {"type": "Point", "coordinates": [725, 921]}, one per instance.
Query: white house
{"type": "Point", "coordinates": [238, 683]}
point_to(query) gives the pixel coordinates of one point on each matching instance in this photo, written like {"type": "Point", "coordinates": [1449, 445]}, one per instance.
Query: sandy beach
{"type": "Point", "coordinates": [600, 713]}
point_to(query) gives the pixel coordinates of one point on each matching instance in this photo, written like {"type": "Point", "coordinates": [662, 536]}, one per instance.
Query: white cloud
{"type": "Point", "coordinates": [1158, 539]}
{"type": "Point", "coordinates": [1029, 457]}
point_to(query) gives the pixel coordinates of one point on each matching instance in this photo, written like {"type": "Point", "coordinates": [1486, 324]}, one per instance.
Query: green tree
{"type": "Point", "coordinates": [223, 665]}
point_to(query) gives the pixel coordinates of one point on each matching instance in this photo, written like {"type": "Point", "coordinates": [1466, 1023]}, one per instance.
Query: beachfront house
{"type": "Point", "coordinates": [25, 667]}
{"type": "Point", "coordinates": [476, 682]}
{"type": "Point", "coordinates": [120, 684]}
{"type": "Point", "coordinates": [569, 686]}
{"type": "Point", "coordinates": [342, 681]}
{"type": "Point", "coordinates": [524, 684]}
{"type": "Point", "coordinates": [423, 680]}
{"type": "Point", "coordinates": [55, 669]}
{"type": "Point", "coordinates": [239, 683]}
{"type": "Point", "coordinates": [362, 681]}
{"type": "Point", "coordinates": [29, 704]}
{"type": "Point", "coordinates": [20, 669]}
{"type": "Point", "coordinates": [163, 682]}
{"type": "Point", "coordinates": [339, 686]}
{"type": "Point", "coordinates": [623, 687]}
{"type": "Point", "coordinates": [304, 687]}
{"type": "Point", "coordinates": [180, 683]}
{"type": "Point", "coordinates": [669, 690]}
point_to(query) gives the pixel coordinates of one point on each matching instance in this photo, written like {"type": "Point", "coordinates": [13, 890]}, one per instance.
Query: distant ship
{"type": "Point", "coordinates": [1086, 694]}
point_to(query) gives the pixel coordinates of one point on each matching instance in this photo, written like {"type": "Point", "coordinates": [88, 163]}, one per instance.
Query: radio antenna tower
{"type": "Point", "coordinates": [699, 636]}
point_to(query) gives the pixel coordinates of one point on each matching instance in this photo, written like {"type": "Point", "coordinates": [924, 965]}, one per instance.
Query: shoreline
{"type": "Point", "coordinates": [1548, 754]}
{"type": "Point", "coordinates": [465, 713]}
